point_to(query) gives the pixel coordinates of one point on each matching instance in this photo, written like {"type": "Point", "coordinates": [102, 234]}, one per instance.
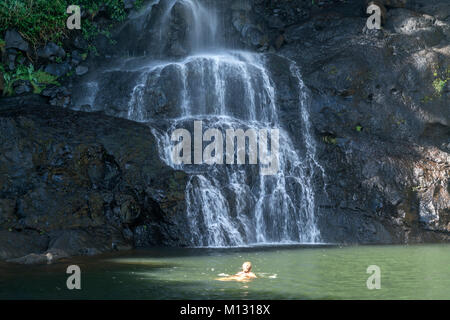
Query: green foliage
{"type": "Point", "coordinates": [92, 49]}
{"type": "Point", "coordinates": [329, 139]}
{"type": "Point", "coordinates": [114, 8]}
{"type": "Point", "coordinates": [358, 128]}
{"type": "Point", "coordinates": [40, 21]}
{"type": "Point", "coordinates": [426, 99]}
{"type": "Point", "coordinates": [90, 30]}
{"type": "Point", "coordinates": [441, 79]}
{"type": "Point", "coordinates": [438, 85]}
{"type": "Point", "coordinates": [138, 4]}
{"type": "Point", "coordinates": [38, 78]}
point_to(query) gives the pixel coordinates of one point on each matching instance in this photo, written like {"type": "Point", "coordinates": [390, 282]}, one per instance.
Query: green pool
{"type": "Point", "coordinates": [287, 272]}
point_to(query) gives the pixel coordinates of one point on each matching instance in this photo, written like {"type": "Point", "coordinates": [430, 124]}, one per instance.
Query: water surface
{"type": "Point", "coordinates": [288, 272]}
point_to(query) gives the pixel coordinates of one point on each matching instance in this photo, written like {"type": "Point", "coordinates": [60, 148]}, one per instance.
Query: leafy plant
{"type": "Point", "coordinates": [40, 21]}
{"type": "Point", "coordinates": [438, 85]}
{"type": "Point", "coordinates": [426, 99]}
{"type": "Point", "coordinates": [38, 78]}
{"type": "Point", "coordinates": [329, 139]}
{"type": "Point", "coordinates": [441, 79]}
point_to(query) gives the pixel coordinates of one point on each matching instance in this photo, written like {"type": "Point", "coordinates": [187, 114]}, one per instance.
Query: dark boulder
{"type": "Point", "coordinates": [76, 58]}
{"type": "Point", "coordinates": [58, 96]}
{"type": "Point", "coordinates": [51, 51]}
{"type": "Point", "coordinates": [14, 40]}
{"type": "Point", "coordinates": [22, 87]}
{"type": "Point", "coordinates": [17, 244]}
{"type": "Point", "coordinates": [73, 183]}
{"type": "Point", "coordinates": [81, 70]}
{"type": "Point", "coordinates": [58, 69]}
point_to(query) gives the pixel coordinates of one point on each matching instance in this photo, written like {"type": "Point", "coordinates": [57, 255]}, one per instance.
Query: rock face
{"type": "Point", "coordinates": [379, 103]}
{"type": "Point", "coordinates": [380, 107]}
{"type": "Point", "coordinates": [78, 183]}
{"type": "Point", "coordinates": [51, 51]}
{"type": "Point", "coordinates": [74, 183]}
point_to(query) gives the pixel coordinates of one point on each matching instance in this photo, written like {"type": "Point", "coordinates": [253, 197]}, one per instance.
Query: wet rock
{"type": "Point", "coordinates": [51, 51]}
{"type": "Point", "coordinates": [11, 59]}
{"type": "Point", "coordinates": [53, 91]}
{"type": "Point", "coordinates": [118, 87]}
{"type": "Point", "coordinates": [15, 244]}
{"type": "Point", "coordinates": [58, 69]}
{"type": "Point", "coordinates": [7, 210]}
{"type": "Point", "coordinates": [80, 43]}
{"type": "Point", "coordinates": [76, 58]}
{"type": "Point", "coordinates": [60, 101]}
{"type": "Point", "coordinates": [241, 6]}
{"type": "Point", "coordinates": [80, 242]}
{"type": "Point", "coordinates": [103, 44]}
{"type": "Point", "coordinates": [59, 96]}
{"type": "Point", "coordinates": [129, 4]}
{"type": "Point", "coordinates": [16, 101]}
{"type": "Point", "coordinates": [15, 41]}
{"type": "Point", "coordinates": [178, 50]}
{"type": "Point", "coordinates": [22, 87]}
{"type": "Point", "coordinates": [86, 108]}
{"type": "Point", "coordinates": [81, 70]}
{"type": "Point", "coordinates": [84, 180]}
{"type": "Point", "coordinates": [279, 41]}
{"type": "Point", "coordinates": [31, 258]}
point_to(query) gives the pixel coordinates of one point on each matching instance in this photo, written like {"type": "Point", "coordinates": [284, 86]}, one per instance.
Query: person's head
{"type": "Point", "coordinates": [247, 266]}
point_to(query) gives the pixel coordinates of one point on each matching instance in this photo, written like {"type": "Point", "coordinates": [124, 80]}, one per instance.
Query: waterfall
{"type": "Point", "coordinates": [227, 205]}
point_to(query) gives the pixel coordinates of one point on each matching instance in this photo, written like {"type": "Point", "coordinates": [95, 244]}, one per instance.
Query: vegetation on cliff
{"type": "Point", "coordinates": [38, 22]}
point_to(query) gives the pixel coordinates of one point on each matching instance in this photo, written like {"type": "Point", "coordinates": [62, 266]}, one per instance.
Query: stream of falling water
{"type": "Point", "coordinates": [230, 205]}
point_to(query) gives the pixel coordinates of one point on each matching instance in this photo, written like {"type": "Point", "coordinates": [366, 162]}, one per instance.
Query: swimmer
{"type": "Point", "coordinates": [244, 275]}
{"type": "Point", "coordinates": [246, 271]}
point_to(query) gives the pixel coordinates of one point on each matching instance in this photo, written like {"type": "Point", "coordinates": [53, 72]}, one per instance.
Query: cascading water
{"type": "Point", "coordinates": [227, 205]}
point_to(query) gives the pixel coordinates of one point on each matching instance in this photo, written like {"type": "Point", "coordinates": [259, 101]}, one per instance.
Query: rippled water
{"type": "Point", "coordinates": [289, 272]}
